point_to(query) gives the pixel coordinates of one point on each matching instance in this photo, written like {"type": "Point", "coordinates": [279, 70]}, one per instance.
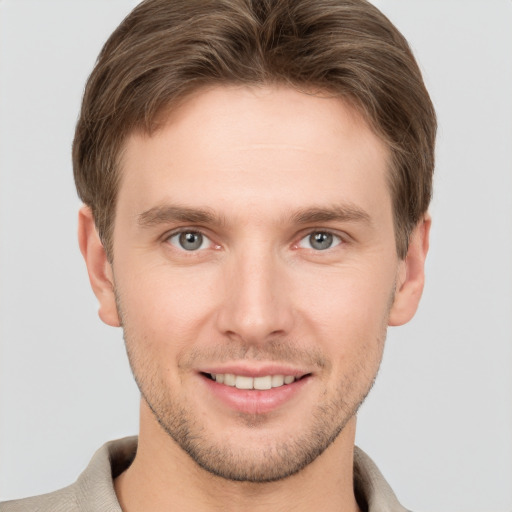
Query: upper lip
{"type": "Point", "coordinates": [253, 370]}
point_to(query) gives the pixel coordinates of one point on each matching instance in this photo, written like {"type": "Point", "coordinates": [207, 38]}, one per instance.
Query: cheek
{"type": "Point", "coordinates": [354, 299]}
{"type": "Point", "coordinates": [346, 314]}
{"type": "Point", "coordinates": [161, 306]}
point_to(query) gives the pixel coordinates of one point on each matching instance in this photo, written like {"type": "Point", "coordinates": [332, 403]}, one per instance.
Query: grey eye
{"type": "Point", "coordinates": [189, 240]}
{"type": "Point", "coordinates": [320, 241]}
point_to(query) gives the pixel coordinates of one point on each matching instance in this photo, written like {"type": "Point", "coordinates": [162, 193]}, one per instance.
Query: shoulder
{"type": "Point", "coordinates": [61, 500]}
{"type": "Point", "coordinates": [94, 489]}
{"type": "Point", "coordinates": [372, 491]}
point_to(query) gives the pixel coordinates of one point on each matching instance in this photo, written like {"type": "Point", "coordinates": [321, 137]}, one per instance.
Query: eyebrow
{"type": "Point", "coordinates": [175, 213]}
{"type": "Point", "coordinates": [340, 213]}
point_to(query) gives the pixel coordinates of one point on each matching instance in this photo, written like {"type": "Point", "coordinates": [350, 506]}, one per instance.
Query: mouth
{"type": "Point", "coordinates": [260, 383]}
{"type": "Point", "coordinates": [255, 389]}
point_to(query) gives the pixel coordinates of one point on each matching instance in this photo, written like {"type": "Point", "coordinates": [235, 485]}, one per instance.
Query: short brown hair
{"type": "Point", "coordinates": [166, 49]}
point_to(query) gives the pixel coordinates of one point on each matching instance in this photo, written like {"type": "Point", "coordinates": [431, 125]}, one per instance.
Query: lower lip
{"type": "Point", "coordinates": [253, 401]}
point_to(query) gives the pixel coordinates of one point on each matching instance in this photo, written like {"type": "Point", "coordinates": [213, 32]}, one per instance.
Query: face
{"type": "Point", "coordinates": [255, 271]}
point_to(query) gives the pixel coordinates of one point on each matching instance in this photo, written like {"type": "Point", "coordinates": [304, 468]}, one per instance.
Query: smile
{"type": "Point", "coordinates": [259, 383]}
{"type": "Point", "coordinates": [255, 390]}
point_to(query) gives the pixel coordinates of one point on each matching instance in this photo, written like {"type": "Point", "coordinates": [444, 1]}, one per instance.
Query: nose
{"type": "Point", "coordinates": [257, 303]}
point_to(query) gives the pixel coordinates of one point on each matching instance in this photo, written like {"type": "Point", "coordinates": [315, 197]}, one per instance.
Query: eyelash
{"type": "Point", "coordinates": [336, 240]}
{"type": "Point", "coordinates": [185, 231]}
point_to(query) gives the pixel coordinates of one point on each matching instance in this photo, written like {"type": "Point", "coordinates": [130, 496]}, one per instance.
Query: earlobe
{"type": "Point", "coordinates": [98, 267]}
{"type": "Point", "coordinates": [411, 277]}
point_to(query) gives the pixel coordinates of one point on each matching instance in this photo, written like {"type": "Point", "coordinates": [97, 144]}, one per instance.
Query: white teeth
{"type": "Point", "coordinates": [261, 383]}
{"type": "Point", "coordinates": [229, 379]}
{"type": "Point", "coordinates": [242, 382]}
{"type": "Point", "coordinates": [277, 381]}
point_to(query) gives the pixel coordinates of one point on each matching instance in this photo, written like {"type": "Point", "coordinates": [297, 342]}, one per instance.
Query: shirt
{"type": "Point", "coordinates": [94, 489]}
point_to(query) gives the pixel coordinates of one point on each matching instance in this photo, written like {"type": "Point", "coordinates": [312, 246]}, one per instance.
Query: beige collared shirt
{"type": "Point", "coordinates": [94, 489]}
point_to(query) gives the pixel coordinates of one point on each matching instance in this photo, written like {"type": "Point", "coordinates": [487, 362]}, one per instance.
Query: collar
{"type": "Point", "coordinates": [95, 486]}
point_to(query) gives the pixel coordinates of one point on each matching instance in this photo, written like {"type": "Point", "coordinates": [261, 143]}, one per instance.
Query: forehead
{"type": "Point", "coordinates": [248, 149]}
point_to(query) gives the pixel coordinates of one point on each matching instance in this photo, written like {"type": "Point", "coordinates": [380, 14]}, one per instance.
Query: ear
{"type": "Point", "coordinates": [98, 267]}
{"type": "Point", "coordinates": [411, 275]}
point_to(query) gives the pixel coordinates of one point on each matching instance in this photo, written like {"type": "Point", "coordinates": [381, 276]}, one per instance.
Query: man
{"type": "Point", "coordinates": [256, 177]}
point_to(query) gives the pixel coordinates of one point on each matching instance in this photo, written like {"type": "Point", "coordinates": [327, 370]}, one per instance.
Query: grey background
{"type": "Point", "coordinates": [439, 421]}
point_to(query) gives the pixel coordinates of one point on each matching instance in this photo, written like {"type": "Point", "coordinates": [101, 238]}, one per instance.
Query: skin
{"type": "Point", "coordinates": [271, 166]}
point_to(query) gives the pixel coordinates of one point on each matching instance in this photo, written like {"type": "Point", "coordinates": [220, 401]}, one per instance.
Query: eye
{"type": "Point", "coordinates": [320, 241]}
{"type": "Point", "coordinates": [190, 240]}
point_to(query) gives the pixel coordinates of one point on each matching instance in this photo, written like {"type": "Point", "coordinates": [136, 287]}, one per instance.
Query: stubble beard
{"type": "Point", "coordinates": [277, 459]}
{"type": "Point", "coordinates": [270, 463]}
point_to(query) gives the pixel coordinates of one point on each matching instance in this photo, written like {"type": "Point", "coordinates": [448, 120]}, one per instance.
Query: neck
{"type": "Point", "coordinates": [163, 477]}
